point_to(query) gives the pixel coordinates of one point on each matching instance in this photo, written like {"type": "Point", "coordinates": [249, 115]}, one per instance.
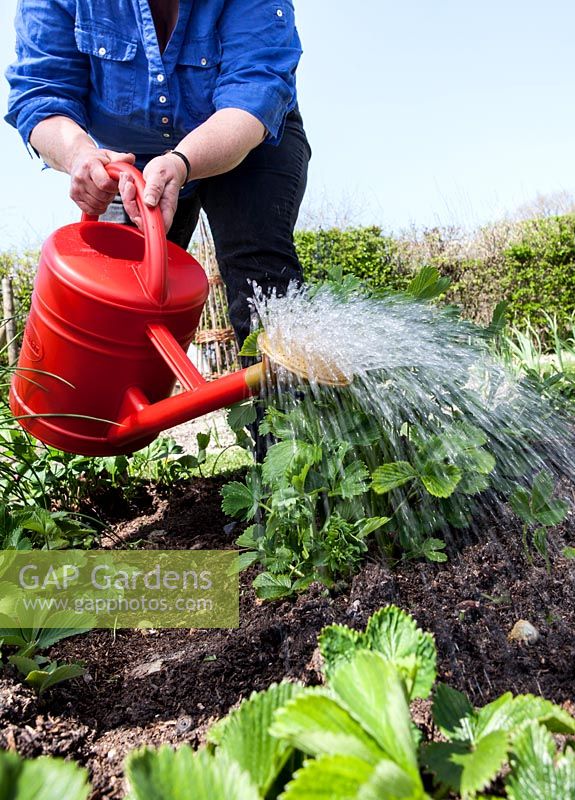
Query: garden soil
{"type": "Point", "coordinates": [167, 686]}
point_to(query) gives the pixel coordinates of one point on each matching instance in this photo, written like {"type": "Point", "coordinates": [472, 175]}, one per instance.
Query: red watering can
{"type": "Point", "coordinates": [113, 312]}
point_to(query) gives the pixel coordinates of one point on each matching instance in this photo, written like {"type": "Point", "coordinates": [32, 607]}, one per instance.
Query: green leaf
{"type": "Point", "coordinates": [42, 680]}
{"type": "Point", "coordinates": [288, 458]}
{"type": "Point", "coordinates": [241, 414]}
{"type": "Point", "coordinates": [272, 587]}
{"type": "Point", "coordinates": [38, 638]}
{"type": "Point", "coordinates": [482, 765]}
{"type": "Point", "coordinates": [49, 636]}
{"type": "Point", "coordinates": [166, 774]}
{"type": "Point", "coordinates": [329, 777]}
{"type": "Point", "coordinates": [12, 635]}
{"type": "Point", "coordinates": [546, 510]}
{"type": "Point", "coordinates": [371, 524]}
{"type": "Point", "coordinates": [244, 736]}
{"type": "Point", "coordinates": [354, 481]}
{"type": "Point", "coordinates": [38, 519]}
{"type": "Point", "coordinates": [450, 709]}
{"type": "Point", "coordinates": [390, 782]}
{"type": "Point", "coordinates": [468, 768]}
{"type": "Point", "coordinates": [539, 506]}
{"type": "Point", "coordinates": [251, 536]}
{"type": "Point", "coordinates": [370, 688]}
{"type": "Point", "coordinates": [439, 758]}
{"type": "Point", "coordinates": [427, 284]}
{"type": "Point", "coordinates": [250, 345]}
{"type": "Point", "coordinates": [241, 499]}
{"type": "Point", "coordinates": [279, 561]}
{"type": "Point", "coordinates": [520, 502]}
{"type": "Point", "coordinates": [537, 773]}
{"type": "Point", "coordinates": [439, 479]}
{"type": "Point", "coordinates": [203, 440]}
{"type": "Point", "coordinates": [317, 724]}
{"type": "Point", "coordinates": [541, 489]}
{"type": "Point", "coordinates": [338, 643]}
{"type": "Point", "coordinates": [243, 561]}
{"type": "Point", "coordinates": [23, 664]}
{"type": "Point", "coordinates": [553, 513]}
{"type": "Point", "coordinates": [391, 476]}
{"type": "Point", "coordinates": [432, 550]}
{"type": "Point", "coordinates": [279, 424]}
{"type": "Point", "coordinates": [498, 319]}
{"type": "Point", "coordinates": [479, 460]}
{"type": "Point", "coordinates": [395, 634]}
{"type": "Point", "coordinates": [41, 778]}
{"type": "Point", "coordinates": [275, 696]}
{"type": "Point", "coordinates": [473, 483]}
{"type": "Point", "coordinates": [510, 714]}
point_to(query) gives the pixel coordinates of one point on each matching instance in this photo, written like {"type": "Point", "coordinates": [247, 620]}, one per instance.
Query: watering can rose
{"type": "Point", "coordinates": [79, 589]}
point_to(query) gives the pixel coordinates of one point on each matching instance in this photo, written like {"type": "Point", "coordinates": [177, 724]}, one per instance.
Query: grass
{"type": "Point", "coordinates": [222, 462]}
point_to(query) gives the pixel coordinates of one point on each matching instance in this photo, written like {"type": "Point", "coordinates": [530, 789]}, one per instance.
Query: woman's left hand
{"type": "Point", "coordinates": [164, 177]}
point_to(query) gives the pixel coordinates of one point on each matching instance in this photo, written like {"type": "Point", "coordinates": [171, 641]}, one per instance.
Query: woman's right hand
{"type": "Point", "coordinates": [91, 188]}
{"type": "Point", "coordinates": [65, 146]}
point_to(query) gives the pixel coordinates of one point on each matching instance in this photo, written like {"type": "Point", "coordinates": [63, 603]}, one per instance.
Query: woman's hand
{"type": "Point", "coordinates": [91, 188]}
{"type": "Point", "coordinates": [65, 146]}
{"type": "Point", "coordinates": [164, 176]}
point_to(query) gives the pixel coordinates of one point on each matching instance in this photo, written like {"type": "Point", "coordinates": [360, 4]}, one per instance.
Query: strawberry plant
{"type": "Point", "coordinates": [538, 510]}
{"type": "Point", "coordinates": [309, 490]}
{"type": "Point", "coordinates": [353, 737]}
{"type": "Point", "coordinates": [480, 741]}
{"type": "Point", "coordinates": [42, 778]}
{"type": "Point", "coordinates": [402, 455]}
{"type": "Point", "coordinates": [394, 634]}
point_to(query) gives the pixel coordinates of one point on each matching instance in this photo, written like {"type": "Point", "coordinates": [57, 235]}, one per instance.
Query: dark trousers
{"type": "Point", "coordinates": [252, 211]}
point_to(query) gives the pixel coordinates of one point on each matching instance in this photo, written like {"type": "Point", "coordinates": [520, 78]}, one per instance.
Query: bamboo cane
{"type": "Point", "coordinates": [9, 326]}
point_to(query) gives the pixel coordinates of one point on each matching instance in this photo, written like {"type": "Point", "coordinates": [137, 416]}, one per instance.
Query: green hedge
{"type": "Point", "coordinates": [534, 272]}
{"type": "Point", "coordinates": [364, 252]}
{"type": "Point", "coordinates": [534, 268]}
{"type": "Point", "coordinates": [539, 272]}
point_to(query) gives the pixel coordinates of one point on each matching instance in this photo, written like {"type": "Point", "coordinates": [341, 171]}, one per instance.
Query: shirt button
{"type": "Point", "coordinates": [102, 51]}
{"type": "Point", "coordinates": [204, 62]}
{"type": "Point", "coordinates": [160, 77]}
{"type": "Point", "coordinates": [167, 135]}
{"type": "Point", "coordinates": [162, 98]}
{"type": "Point", "coordinates": [165, 120]}
{"type": "Point", "coordinates": [279, 12]}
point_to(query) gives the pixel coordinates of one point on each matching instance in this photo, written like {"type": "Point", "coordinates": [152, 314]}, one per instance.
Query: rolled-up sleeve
{"type": "Point", "coordinates": [260, 52]}
{"type": "Point", "coordinates": [50, 76]}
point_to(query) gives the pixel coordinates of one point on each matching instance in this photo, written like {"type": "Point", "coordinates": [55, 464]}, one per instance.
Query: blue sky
{"type": "Point", "coordinates": [418, 113]}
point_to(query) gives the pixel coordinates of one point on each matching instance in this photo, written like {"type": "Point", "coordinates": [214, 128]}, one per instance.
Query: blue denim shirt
{"type": "Point", "coordinates": [98, 62]}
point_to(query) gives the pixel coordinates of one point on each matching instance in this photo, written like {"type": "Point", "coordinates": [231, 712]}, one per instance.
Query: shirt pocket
{"type": "Point", "coordinates": [197, 72]}
{"type": "Point", "coordinates": [112, 68]}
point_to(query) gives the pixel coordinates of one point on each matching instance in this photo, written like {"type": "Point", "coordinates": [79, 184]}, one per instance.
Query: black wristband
{"type": "Point", "coordinates": [186, 162]}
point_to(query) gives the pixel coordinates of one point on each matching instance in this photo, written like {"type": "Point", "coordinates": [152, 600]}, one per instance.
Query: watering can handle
{"type": "Point", "coordinates": [153, 273]}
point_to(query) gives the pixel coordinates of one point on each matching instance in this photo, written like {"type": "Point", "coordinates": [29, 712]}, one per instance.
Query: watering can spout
{"type": "Point", "coordinates": [141, 419]}
{"type": "Point", "coordinates": [144, 420]}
